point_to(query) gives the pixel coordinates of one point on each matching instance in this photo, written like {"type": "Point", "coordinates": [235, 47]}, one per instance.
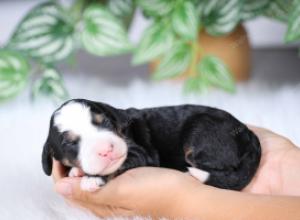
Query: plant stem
{"type": "Point", "coordinates": [193, 67]}
{"type": "Point", "coordinates": [200, 50]}
{"type": "Point", "coordinates": [77, 8]}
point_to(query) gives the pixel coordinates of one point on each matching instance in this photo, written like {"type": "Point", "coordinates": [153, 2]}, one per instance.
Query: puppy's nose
{"type": "Point", "coordinates": [106, 151]}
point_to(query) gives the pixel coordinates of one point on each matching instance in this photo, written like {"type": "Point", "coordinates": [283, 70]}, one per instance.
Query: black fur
{"type": "Point", "coordinates": [176, 137]}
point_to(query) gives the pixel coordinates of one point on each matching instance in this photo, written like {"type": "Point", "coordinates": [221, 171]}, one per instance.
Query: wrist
{"type": "Point", "coordinates": [177, 196]}
{"type": "Point", "coordinates": [290, 169]}
{"type": "Point", "coordinates": [168, 197]}
{"type": "Point", "coordinates": [188, 200]}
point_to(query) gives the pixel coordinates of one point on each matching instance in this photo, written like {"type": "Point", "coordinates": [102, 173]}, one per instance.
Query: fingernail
{"type": "Point", "coordinates": [64, 189]}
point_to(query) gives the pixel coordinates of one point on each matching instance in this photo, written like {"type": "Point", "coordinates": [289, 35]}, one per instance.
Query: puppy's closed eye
{"type": "Point", "coordinates": [70, 138]}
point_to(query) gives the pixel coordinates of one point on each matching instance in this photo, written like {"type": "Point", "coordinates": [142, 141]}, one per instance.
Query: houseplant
{"type": "Point", "coordinates": [51, 32]}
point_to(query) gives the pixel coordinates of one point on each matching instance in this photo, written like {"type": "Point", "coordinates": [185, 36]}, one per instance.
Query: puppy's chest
{"type": "Point", "coordinates": [174, 161]}
{"type": "Point", "coordinates": [170, 152]}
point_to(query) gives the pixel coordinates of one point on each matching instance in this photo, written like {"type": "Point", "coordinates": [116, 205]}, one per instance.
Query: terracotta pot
{"type": "Point", "coordinates": [232, 49]}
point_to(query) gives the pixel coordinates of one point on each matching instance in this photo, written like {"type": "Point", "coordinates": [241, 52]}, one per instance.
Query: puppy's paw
{"type": "Point", "coordinates": [76, 172]}
{"type": "Point", "coordinates": [91, 184]}
{"type": "Point", "coordinates": [198, 174]}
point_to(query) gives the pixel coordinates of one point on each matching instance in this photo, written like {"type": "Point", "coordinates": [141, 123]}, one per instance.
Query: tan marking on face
{"type": "Point", "coordinates": [98, 118]}
{"type": "Point", "coordinates": [187, 152]}
{"type": "Point", "coordinates": [71, 136]}
{"type": "Point", "coordinates": [66, 162]}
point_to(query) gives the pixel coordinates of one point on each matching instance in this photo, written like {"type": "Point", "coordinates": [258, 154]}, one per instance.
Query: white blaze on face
{"type": "Point", "coordinates": [77, 118]}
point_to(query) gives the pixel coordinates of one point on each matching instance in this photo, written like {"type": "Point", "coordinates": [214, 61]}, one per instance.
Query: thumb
{"type": "Point", "coordinates": [69, 187]}
{"type": "Point", "coordinates": [66, 186]}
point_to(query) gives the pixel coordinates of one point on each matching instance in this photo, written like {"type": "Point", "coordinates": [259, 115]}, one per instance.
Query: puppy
{"type": "Point", "coordinates": [99, 142]}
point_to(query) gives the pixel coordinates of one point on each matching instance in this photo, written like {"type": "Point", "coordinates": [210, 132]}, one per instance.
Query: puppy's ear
{"type": "Point", "coordinates": [114, 114]}
{"type": "Point", "coordinates": [47, 158]}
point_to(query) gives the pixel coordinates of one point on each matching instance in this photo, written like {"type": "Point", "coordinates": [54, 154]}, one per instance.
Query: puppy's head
{"type": "Point", "coordinates": [87, 135]}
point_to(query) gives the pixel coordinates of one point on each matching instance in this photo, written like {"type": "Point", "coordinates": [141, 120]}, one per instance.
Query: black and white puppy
{"type": "Point", "coordinates": [99, 142]}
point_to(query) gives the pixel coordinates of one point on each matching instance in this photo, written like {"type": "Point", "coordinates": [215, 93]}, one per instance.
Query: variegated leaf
{"type": "Point", "coordinates": [200, 5]}
{"type": "Point", "coordinates": [14, 71]}
{"type": "Point", "coordinates": [253, 8]}
{"type": "Point", "coordinates": [51, 85]}
{"type": "Point", "coordinates": [221, 16]}
{"type": "Point", "coordinates": [280, 9]}
{"type": "Point", "coordinates": [121, 8]}
{"type": "Point", "coordinates": [293, 33]}
{"type": "Point", "coordinates": [156, 40]}
{"type": "Point", "coordinates": [44, 33]}
{"type": "Point", "coordinates": [156, 7]}
{"type": "Point", "coordinates": [195, 84]}
{"type": "Point", "coordinates": [185, 20]}
{"type": "Point", "coordinates": [175, 62]}
{"type": "Point", "coordinates": [214, 71]}
{"type": "Point", "coordinates": [103, 34]}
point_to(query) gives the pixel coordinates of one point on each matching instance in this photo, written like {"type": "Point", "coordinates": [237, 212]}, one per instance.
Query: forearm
{"type": "Point", "coordinates": [216, 204]}
{"type": "Point", "coordinates": [290, 171]}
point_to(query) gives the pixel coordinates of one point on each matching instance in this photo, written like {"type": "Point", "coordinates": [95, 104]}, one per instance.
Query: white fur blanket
{"type": "Point", "coordinates": [26, 193]}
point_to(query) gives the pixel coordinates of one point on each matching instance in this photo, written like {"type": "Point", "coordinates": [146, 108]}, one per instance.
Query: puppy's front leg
{"type": "Point", "coordinates": [88, 183]}
{"type": "Point", "coordinates": [138, 157]}
{"type": "Point", "coordinates": [91, 183]}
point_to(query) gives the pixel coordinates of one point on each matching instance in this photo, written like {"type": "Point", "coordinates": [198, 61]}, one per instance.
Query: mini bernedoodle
{"type": "Point", "coordinates": [98, 142]}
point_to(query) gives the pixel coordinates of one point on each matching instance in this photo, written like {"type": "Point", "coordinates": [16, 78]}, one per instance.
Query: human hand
{"type": "Point", "coordinates": [140, 191]}
{"type": "Point", "coordinates": [279, 169]}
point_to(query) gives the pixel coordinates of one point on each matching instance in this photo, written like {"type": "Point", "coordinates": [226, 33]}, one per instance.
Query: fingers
{"type": "Point", "coordinates": [262, 133]}
{"type": "Point", "coordinates": [110, 211]}
{"type": "Point", "coordinates": [70, 188]}
{"type": "Point", "coordinates": [266, 136]}
{"type": "Point", "coordinates": [58, 170]}
{"type": "Point", "coordinates": [252, 127]}
{"type": "Point", "coordinates": [102, 210]}
{"type": "Point", "coordinates": [258, 130]}
{"type": "Point", "coordinates": [103, 203]}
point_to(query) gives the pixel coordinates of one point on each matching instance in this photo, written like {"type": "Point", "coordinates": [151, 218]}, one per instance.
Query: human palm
{"type": "Point", "coordinates": [278, 174]}
{"type": "Point", "coordinates": [273, 176]}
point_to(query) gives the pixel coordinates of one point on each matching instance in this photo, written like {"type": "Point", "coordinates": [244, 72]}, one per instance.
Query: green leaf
{"type": "Point", "coordinates": [156, 40]}
{"type": "Point", "coordinates": [156, 8]}
{"type": "Point", "coordinates": [44, 33]}
{"type": "Point", "coordinates": [279, 9]}
{"type": "Point", "coordinates": [214, 71]}
{"type": "Point", "coordinates": [14, 71]}
{"type": "Point", "coordinates": [121, 8]}
{"type": "Point", "coordinates": [175, 62]}
{"type": "Point", "coordinates": [221, 16]}
{"type": "Point", "coordinates": [200, 5]}
{"type": "Point", "coordinates": [185, 20]}
{"type": "Point", "coordinates": [253, 8]}
{"type": "Point", "coordinates": [293, 32]}
{"type": "Point", "coordinates": [103, 34]}
{"type": "Point", "coordinates": [195, 84]}
{"type": "Point", "coordinates": [50, 85]}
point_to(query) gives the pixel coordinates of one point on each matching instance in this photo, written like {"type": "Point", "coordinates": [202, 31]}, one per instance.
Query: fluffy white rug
{"type": "Point", "coordinates": [26, 193]}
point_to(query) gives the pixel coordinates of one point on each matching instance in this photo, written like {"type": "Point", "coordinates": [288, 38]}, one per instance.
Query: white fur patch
{"type": "Point", "coordinates": [91, 184]}
{"type": "Point", "coordinates": [198, 174]}
{"type": "Point", "coordinates": [89, 158]}
{"type": "Point", "coordinates": [77, 118]}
